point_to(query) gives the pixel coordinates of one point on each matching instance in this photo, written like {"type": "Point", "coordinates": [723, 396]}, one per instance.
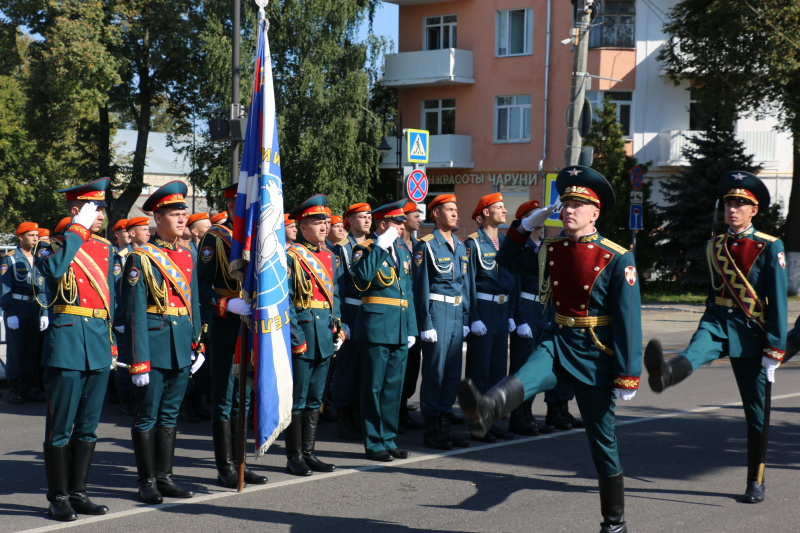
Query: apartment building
{"type": "Point", "coordinates": [490, 80]}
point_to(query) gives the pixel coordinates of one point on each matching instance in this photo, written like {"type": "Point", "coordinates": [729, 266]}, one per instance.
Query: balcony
{"type": "Point", "coordinates": [402, 3]}
{"type": "Point", "coordinates": [759, 144]}
{"type": "Point", "coordinates": [449, 66]}
{"type": "Point", "coordinates": [446, 151]}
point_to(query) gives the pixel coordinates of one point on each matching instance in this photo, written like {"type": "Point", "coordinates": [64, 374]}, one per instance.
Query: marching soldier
{"type": "Point", "coordinates": [385, 328]}
{"type": "Point", "coordinates": [23, 298]}
{"type": "Point", "coordinates": [78, 349]}
{"type": "Point", "coordinates": [316, 332]}
{"type": "Point", "coordinates": [410, 227]}
{"type": "Point", "coordinates": [441, 298]}
{"type": "Point", "coordinates": [531, 317]}
{"type": "Point", "coordinates": [596, 343]}
{"type": "Point", "coordinates": [745, 318]}
{"type": "Point", "coordinates": [492, 300]}
{"type": "Point", "coordinates": [162, 330]}
{"type": "Point", "coordinates": [346, 371]}
{"type": "Point", "coordinates": [221, 298]}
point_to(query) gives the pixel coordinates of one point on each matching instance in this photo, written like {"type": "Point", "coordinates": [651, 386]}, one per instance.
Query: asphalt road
{"type": "Point", "coordinates": [683, 453]}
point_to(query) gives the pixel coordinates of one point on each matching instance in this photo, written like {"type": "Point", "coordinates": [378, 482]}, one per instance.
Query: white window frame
{"type": "Point", "coordinates": [596, 99]}
{"type": "Point", "coordinates": [438, 112]}
{"type": "Point", "coordinates": [523, 107]}
{"type": "Point", "coordinates": [528, 35]}
{"type": "Point", "coordinates": [426, 45]}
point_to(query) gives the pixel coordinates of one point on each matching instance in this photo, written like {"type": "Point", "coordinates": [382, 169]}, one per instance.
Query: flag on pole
{"type": "Point", "coordinates": [258, 255]}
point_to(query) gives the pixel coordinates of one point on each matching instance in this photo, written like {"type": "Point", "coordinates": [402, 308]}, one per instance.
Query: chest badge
{"type": "Point", "coordinates": [630, 275]}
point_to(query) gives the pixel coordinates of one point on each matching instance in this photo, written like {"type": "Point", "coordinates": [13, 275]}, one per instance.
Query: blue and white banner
{"type": "Point", "coordinates": [258, 252]}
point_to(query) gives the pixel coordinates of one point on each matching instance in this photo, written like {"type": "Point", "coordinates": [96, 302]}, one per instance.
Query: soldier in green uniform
{"type": "Point", "coordinates": [596, 340]}
{"type": "Point", "coordinates": [23, 299]}
{"type": "Point", "coordinates": [162, 329]}
{"type": "Point", "coordinates": [385, 328]}
{"type": "Point", "coordinates": [221, 297]}
{"type": "Point", "coordinates": [745, 318]}
{"type": "Point", "coordinates": [78, 348]}
{"type": "Point", "coordinates": [316, 332]}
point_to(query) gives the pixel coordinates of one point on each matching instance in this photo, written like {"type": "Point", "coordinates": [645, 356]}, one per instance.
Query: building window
{"type": "Point", "coordinates": [513, 118]}
{"type": "Point", "coordinates": [614, 27]}
{"type": "Point", "coordinates": [698, 117]}
{"type": "Point", "coordinates": [620, 99]}
{"type": "Point", "coordinates": [514, 32]}
{"type": "Point", "coordinates": [440, 32]}
{"type": "Point", "coordinates": [439, 116]}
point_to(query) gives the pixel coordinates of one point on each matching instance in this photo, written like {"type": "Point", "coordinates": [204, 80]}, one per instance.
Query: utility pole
{"type": "Point", "coordinates": [583, 13]}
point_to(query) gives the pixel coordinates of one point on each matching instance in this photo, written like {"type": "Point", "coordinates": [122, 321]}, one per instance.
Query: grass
{"type": "Point", "coordinates": [676, 293]}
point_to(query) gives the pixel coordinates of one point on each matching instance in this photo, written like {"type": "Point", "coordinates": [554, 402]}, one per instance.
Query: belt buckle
{"type": "Point", "coordinates": [182, 311]}
{"type": "Point", "coordinates": [457, 300]}
{"type": "Point", "coordinates": [96, 313]}
{"type": "Point", "coordinates": [501, 298]}
{"type": "Point", "coordinates": [570, 321]}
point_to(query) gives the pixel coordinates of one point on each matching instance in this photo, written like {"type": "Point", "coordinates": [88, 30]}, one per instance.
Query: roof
{"type": "Point", "coordinates": [161, 159]}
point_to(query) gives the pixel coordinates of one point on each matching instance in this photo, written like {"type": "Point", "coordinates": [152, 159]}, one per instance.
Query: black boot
{"type": "Point", "coordinates": [555, 416]}
{"type": "Point", "coordinates": [457, 440]}
{"type": "Point", "coordinates": [56, 467]}
{"type": "Point", "coordinates": [82, 452]}
{"type": "Point", "coordinates": [223, 454]}
{"type": "Point", "coordinates": [612, 504]}
{"type": "Point", "coordinates": [187, 413]}
{"type": "Point", "coordinates": [127, 403]}
{"type": "Point", "coordinates": [144, 451]}
{"type": "Point", "coordinates": [520, 423]}
{"type": "Point", "coordinates": [483, 410]}
{"type": "Point", "coordinates": [15, 392]}
{"type": "Point", "coordinates": [249, 475]}
{"type": "Point", "coordinates": [165, 454]}
{"type": "Point", "coordinates": [434, 437]}
{"type": "Point", "coordinates": [755, 473]}
{"type": "Point", "coordinates": [310, 420]}
{"type": "Point", "coordinates": [293, 437]}
{"type": "Point", "coordinates": [574, 422]}
{"type": "Point", "coordinates": [406, 421]}
{"type": "Point", "coordinates": [30, 391]}
{"type": "Point", "coordinates": [348, 427]}
{"type": "Point", "coordinates": [661, 373]}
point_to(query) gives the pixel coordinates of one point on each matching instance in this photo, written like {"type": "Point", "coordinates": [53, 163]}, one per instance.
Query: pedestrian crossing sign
{"type": "Point", "coordinates": [418, 147]}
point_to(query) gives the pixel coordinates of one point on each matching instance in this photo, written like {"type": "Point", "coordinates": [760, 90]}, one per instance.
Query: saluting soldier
{"type": "Point", "coordinates": [492, 301]}
{"type": "Point", "coordinates": [386, 326]}
{"type": "Point", "coordinates": [23, 299]}
{"type": "Point", "coordinates": [78, 348]}
{"type": "Point", "coordinates": [221, 297]}
{"type": "Point", "coordinates": [316, 332]}
{"type": "Point", "coordinates": [597, 340]}
{"type": "Point", "coordinates": [745, 318]}
{"type": "Point", "coordinates": [162, 329]}
{"type": "Point", "coordinates": [441, 298]}
{"type": "Point", "coordinates": [346, 370]}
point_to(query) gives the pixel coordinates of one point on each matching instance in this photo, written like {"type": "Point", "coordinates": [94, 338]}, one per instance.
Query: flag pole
{"type": "Point", "coordinates": [241, 443]}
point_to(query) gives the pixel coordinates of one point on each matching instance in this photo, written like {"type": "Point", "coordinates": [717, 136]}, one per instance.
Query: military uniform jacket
{"type": "Point", "coordinates": [439, 270]}
{"type": "Point", "coordinates": [594, 288]}
{"type": "Point", "coordinates": [485, 275]}
{"type": "Point", "coordinates": [162, 313]}
{"type": "Point", "coordinates": [314, 311]}
{"type": "Point", "coordinates": [120, 255]}
{"type": "Point", "coordinates": [386, 315]}
{"type": "Point", "coordinates": [748, 272]}
{"type": "Point", "coordinates": [343, 251]}
{"type": "Point", "coordinates": [215, 282]}
{"type": "Point", "coordinates": [18, 276]}
{"type": "Point", "coordinates": [79, 270]}
{"type": "Point", "coordinates": [526, 311]}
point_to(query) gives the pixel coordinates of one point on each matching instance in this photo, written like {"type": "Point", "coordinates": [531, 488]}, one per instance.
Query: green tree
{"type": "Point", "coordinates": [753, 66]}
{"type": "Point", "coordinates": [612, 161]}
{"type": "Point", "coordinates": [692, 212]}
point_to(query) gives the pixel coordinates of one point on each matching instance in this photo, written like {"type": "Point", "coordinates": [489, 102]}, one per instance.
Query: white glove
{"type": "Point", "coordinates": [466, 330]}
{"type": "Point", "coordinates": [524, 331]}
{"type": "Point", "coordinates": [478, 328]}
{"type": "Point", "coordinates": [238, 306]}
{"type": "Point", "coordinates": [120, 329]}
{"type": "Point", "coordinates": [770, 365]}
{"type": "Point", "coordinates": [44, 321]}
{"type": "Point", "coordinates": [386, 240]}
{"type": "Point", "coordinates": [12, 322]}
{"type": "Point", "coordinates": [141, 380]}
{"type": "Point", "coordinates": [346, 330]}
{"type": "Point", "coordinates": [511, 325]}
{"type": "Point", "coordinates": [198, 362]}
{"type": "Point", "coordinates": [429, 335]}
{"type": "Point", "coordinates": [411, 341]}
{"type": "Point", "coordinates": [537, 218]}
{"type": "Point", "coordinates": [624, 394]}
{"type": "Point", "coordinates": [86, 216]}
{"type": "Point", "coordinates": [337, 344]}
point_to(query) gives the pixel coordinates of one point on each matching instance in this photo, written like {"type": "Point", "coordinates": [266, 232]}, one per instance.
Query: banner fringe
{"type": "Point", "coordinates": [278, 430]}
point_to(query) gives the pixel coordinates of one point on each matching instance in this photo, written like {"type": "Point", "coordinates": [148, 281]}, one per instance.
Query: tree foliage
{"type": "Point", "coordinates": [691, 212]}
{"type": "Point", "coordinates": [612, 161]}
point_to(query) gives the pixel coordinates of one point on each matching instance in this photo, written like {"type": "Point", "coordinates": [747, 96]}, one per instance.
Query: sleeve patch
{"type": "Point", "coordinates": [3, 269]}
{"type": "Point", "coordinates": [782, 260]}
{"type": "Point", "coordinates": [630, 275]}
{"type": "Point", "coordinates": [206, 254]}
{"type": "Point", "coordinates": [418, 258]}
{"type": "Point", "coordinates": [133, 276]}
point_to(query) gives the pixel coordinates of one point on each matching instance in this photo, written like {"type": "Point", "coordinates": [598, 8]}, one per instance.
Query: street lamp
{"type": "Point", "coordinates": [385, 147]}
